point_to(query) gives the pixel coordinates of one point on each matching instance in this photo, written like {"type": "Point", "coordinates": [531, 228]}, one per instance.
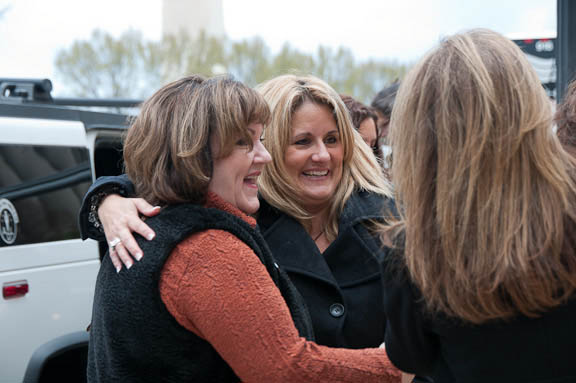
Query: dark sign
{"type": "Point", "coordinates": [542, 56]}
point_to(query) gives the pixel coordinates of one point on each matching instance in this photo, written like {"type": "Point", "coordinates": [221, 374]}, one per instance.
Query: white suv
{"type": "Point", "coordinates": [49, 155]}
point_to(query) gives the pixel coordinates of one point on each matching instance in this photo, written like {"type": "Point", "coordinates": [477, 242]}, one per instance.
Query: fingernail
{"type": "Point", "coordinates": [156, 207]}
{"type": "Point", "coordinates": [150, 236]}
{"type": "Point", "coordinates": [129, 266]}
{"type": "Point", "coordinates": [118, 268]}
{"type": "Point", "coordinates": [138, 256]}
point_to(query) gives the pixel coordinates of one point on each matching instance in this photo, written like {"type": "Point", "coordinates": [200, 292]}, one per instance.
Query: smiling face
{"type": "Point", "coordinates": [314, 156]}
{"type": "Point", "coordinates": [234, 177]}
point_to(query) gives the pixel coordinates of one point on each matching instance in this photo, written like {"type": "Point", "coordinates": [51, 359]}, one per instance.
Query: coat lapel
{"type": "Point", "coordinates": [350, 259]}
{"type": "Point", "coordinates": [292, 247]}
{"type": "Point", "coordinates": [356, 250]}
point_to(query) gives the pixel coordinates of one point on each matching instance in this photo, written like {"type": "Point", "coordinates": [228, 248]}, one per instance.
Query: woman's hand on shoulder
{"type": "Point", "coordinates": [120, 217]}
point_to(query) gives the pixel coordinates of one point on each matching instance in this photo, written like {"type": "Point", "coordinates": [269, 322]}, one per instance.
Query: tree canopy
{"type": "Point", "coordinates": [131, 66]}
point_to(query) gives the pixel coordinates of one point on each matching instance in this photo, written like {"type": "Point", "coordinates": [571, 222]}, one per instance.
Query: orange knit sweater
{"type": "Point", "coordinates": [216, 287]}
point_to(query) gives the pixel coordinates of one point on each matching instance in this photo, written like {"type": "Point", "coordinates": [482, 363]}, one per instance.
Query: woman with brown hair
{"type": "Point", "coordinates": [483, 289]}
{"type": "Point", "coordinates": [364, 120]}
{"type": "Point", "coordinates": [208, 303]}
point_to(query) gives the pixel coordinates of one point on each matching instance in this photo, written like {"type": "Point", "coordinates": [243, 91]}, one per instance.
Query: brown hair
{"type": "Point", "coordinates": [566, 119]}
{"type": "Point", "coordinates": [167, 149]}
{"type": "Point", "coordinates": [360, 112]}
{"type": "Point", "coordinates": [487, 195]}
{"type": "Point", "coordinates": [360, 170]}
{"type": "Point", "coordinates": [384, 100]}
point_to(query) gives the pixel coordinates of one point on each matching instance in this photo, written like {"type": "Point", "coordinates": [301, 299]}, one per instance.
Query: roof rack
{"type": "Point", "coordinates": [22, 90]}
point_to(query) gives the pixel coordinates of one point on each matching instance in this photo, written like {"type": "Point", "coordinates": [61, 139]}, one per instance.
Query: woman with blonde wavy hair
{"type": "Point", "coordinates": [321, 201]}
{"type": "Point", "coordinates": [487, 200]}
{"type": "Point", "coordinates": [289, 96]}
{"type": "Point", "coordinates": [322, 197]}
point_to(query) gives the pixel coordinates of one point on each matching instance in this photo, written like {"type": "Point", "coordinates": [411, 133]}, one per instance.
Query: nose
{"type": "Point", "coordinates": [321, 154]}
{"type": "Point", "coordinates": [261, 155]}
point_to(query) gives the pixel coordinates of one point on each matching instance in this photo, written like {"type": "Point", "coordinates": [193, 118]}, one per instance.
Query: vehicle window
{"type": "Point", "coordinates": [108, 159]}
{"type": "Point", "coordinates": [41, 189]}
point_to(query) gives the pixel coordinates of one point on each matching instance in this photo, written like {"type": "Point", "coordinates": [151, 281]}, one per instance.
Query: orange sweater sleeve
{"type": "Point", "coordinates": [215, 286]}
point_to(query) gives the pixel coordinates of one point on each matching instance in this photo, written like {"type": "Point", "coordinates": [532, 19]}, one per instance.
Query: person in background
{"type": "Point", "coordinates": [565, 119]}
{"type": "Point", "coordinates": [383, 103]}
{"type": "Point", "coordinates": [365, 121]}
{"type": "Point", "coordinates": [482, 285]}
{"type": "Point", "coordinates": [207, 303]}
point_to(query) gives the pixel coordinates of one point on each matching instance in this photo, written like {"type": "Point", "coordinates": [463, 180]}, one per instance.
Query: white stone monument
{"type": "Point", "coordinates": [192, 16]}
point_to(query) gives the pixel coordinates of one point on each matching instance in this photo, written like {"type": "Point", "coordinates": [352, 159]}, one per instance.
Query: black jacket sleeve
{"type": "Point", "coordinates": [409, 344]}
{"type": "Point", "coordinates": [113, 184]}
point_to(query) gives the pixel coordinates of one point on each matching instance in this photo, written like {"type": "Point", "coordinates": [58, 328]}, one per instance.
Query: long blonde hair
{"type": "Point", "coordinates": [487, 195]}
{"type": "Point", "coordinates": [361, 171]}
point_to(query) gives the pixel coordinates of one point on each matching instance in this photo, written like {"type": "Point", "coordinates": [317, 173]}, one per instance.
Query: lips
{"type": "Point", "coordinates": [252, 180]}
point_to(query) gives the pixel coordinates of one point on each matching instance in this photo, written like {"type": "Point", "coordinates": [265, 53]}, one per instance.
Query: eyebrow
{"type": "Point", "coordinates": [335, 131]}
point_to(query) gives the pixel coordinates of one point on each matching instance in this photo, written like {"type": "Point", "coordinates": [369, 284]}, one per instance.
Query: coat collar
{"type": "Point", "coordinates": [291, 245]}
{"type": "Point", "coordinates": [362, 206]}
{"type": "Point", "coordinates": [351, 257]}
{"type": "Point", "coordinates": [215, 201]}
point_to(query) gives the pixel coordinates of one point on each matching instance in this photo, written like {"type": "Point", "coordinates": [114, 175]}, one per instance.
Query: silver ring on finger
{"type": "Point", "coordinates": [113, 243]}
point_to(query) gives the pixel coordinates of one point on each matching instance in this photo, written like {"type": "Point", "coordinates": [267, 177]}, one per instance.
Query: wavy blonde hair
{"type": "Point", "coordinates": [487, 195]}
{"type": "Point", "coordinates": [361, 170]}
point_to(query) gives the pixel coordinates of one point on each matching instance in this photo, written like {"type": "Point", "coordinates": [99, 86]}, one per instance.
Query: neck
{"type": "Point", "coordinates": [317, 224]}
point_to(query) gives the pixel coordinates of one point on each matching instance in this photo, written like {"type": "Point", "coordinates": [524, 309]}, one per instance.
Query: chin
{"type": "Point", "coordinates": [320, 196]}
{"type": "Point", "coordinates": [250, 207]}
{"type": "Point", "coordinates": [316, 201]}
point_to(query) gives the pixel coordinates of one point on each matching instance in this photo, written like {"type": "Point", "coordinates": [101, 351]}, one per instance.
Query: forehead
{"type": "Point", "coordinates": [313, 118]}
{"type": "Point", "coordinates": [255, 128]}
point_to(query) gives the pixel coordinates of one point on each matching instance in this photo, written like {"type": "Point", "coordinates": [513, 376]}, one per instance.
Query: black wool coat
{"type": "Point", "coordinates": [342, 287]}
{"type": "Point", "coordinates": [527, 350]}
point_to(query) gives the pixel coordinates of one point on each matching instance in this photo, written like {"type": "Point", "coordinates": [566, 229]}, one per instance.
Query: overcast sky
{"type": "Point", "coordinates": [32, 31]}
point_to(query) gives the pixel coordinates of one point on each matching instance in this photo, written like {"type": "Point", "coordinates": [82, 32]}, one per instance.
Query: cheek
{"type": "Point", "coordinates": [293, 160]}
{"type": "Point", "coordinates": [369, 135]}
{"type": "Point", "coordinates": [338, 157]}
